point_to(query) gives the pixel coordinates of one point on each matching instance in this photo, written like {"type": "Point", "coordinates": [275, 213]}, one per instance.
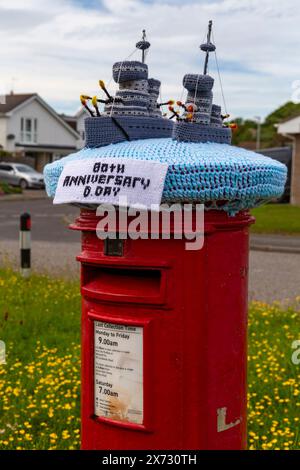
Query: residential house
{"type": "Point", "coordinates": [291, 129]}
{"type": "Point", "coordinates": [77, 123]}
{"type": "Point", "coordinates": [29, 127]}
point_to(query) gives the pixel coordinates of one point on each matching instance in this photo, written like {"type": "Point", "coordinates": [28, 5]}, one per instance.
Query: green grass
{"type": "Point", "coordinates": [8, 189]}
{"type": "Point", "coordinates": [277, 218]}
{"type": "Point", "coordinates": [40, 383]}
{"type": "Point", "coordinates": [274, 377]}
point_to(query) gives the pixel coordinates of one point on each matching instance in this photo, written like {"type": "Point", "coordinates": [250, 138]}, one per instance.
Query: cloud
{"type": "Point", "coordinates": [60, 48]}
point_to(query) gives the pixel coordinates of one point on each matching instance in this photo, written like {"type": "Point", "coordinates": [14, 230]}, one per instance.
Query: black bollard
{"type": "Point", "coordinates": [25, 244]}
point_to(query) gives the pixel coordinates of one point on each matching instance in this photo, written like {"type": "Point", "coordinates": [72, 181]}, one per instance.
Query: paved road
{"type": "Point", "coordinates": [281, 243]}
{"type": "Point", "coordinates": [49, 222]}
{"type": "Point", "coordinates": [273, 276]}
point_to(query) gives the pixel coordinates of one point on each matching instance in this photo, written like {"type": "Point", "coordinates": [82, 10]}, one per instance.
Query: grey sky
{"type": "Point", "coordinates": [61, 48]}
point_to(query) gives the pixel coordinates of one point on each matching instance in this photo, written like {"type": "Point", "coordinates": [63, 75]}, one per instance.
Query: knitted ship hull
{"type": "Point", "coordinates": [105, 130]}
{"type": "Point", "coordinates": [195, 132]}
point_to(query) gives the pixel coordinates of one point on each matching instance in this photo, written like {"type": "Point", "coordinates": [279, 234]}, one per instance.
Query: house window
{"type": "Point", "coordinates": [28, 130]}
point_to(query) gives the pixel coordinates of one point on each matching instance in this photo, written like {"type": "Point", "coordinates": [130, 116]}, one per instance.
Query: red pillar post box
{"type": "Point", "coordinates": [164, 338]}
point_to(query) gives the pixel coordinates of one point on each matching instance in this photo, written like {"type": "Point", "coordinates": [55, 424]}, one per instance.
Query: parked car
{"type": "Point", "coordinates": [18, 174]}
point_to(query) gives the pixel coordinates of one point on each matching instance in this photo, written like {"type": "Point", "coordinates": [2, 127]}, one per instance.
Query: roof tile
{"type": "Point", "coordinates": [14, 100]}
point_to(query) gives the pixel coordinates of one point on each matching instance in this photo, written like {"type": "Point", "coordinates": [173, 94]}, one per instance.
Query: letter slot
{"type": "Point", "coordinates": [124, 284]}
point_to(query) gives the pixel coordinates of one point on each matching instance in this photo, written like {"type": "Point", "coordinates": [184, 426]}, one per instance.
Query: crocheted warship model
{"type": "Point", "coordinates": [133, 113]}
{"type": "Point", "coordinates": [202, 167]}
{"type": "Point", "coordinates": [202, 120]}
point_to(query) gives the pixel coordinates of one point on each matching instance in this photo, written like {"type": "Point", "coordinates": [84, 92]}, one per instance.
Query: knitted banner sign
{"type": "Point", "coordinates": [135, 183]}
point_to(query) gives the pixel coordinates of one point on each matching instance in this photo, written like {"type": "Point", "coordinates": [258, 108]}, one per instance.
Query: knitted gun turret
{"type": "Point", "coordinates": [133, 92]}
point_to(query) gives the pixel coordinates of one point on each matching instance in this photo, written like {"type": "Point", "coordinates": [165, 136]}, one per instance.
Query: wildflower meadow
{"type": "Point", "coordinates": [40, 382]}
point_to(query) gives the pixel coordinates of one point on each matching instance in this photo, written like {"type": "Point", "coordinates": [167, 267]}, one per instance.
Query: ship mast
{"type": "Point", "coordinates": [208, 47]}
{"type": "Point", "coordinates": [143, 45]}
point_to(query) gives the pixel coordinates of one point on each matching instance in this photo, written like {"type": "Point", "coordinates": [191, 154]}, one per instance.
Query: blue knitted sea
{"type": "Point", "coordinates": [220, 175]}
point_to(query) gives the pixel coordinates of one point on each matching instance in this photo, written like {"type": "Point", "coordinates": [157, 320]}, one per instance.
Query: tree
{"type": "Point", "coordinates": [247, 129]}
